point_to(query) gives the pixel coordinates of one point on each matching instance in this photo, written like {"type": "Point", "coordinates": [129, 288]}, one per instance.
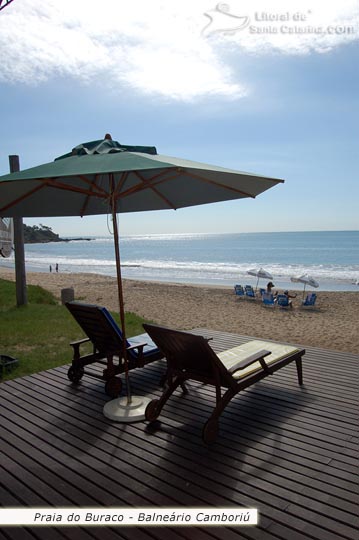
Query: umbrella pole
{"type": "Point", "coordinates": [130, 408]}
{"type": "Point", "coordinates": [120, 298]}
{"type": "Point", "coordinates": [304, 291]}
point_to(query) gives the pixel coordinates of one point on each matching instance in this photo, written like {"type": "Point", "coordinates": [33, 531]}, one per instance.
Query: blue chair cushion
{"type": "Point", "coordinates": [148, 350]}
{"type": "Point", "coordinates": [282, 300]}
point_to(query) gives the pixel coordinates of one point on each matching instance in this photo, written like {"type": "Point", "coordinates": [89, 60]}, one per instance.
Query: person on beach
{"type": "Point", "coordinates": [50, 268]}
{"type": "Point", "coordinates": [270, 286]}
{"type": "Point", "coordinates": [286, 293]}
{"type": "Point", "coordinates": [57, 267]}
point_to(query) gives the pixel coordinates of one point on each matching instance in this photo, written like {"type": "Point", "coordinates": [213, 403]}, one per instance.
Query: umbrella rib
{"type": "Point", "coordinates": [217, 184]}
{"type": "Point", "coordinates": [177, 173]}
{"type": "Point", "coordinates": [55, 183]}
{"type": "Point", "coordinates": [93, 184]}
{"type": "Point", "coordinates": [146, 183]}
{"type": "Point", "coordinates": [87, 200]}
{"type": "Point", "coordinates": [25, 196]}
{"type": "Point", "coordinates": [121, 184]}
{"type": "Point", "coordinates": [143, 186]}
{"type": "Point", "coordinates": [159, 175]}
{"type": "Point", "coordinates": [59, 185]}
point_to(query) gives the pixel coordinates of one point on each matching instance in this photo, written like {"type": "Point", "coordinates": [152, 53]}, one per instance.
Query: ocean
{"type": "Point", "coordinates": [332, 258]}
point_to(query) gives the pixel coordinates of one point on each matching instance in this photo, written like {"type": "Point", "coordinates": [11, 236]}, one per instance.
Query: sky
{"type": "Point", "coordinates": [263, 87]}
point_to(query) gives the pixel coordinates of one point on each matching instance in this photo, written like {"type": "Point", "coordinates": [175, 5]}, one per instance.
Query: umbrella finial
{"type": "Point", "coordinates": [108, 137]}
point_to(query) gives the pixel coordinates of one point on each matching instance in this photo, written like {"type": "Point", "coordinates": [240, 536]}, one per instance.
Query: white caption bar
{"type": "Point", "coordinates": [128, 516]}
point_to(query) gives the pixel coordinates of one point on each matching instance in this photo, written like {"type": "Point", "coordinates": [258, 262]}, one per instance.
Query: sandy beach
{"type": "Point", "coordinates": [334, 324]}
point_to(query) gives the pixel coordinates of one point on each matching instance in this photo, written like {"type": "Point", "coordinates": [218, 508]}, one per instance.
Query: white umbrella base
{"type": "Point", "coordinates": [120, 410]}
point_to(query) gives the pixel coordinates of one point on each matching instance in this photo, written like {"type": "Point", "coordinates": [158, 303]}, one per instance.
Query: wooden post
{"type": "Point", "coordinates": [20, 274]}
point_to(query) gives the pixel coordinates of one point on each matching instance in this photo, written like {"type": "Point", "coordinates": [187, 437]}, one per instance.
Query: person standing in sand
{"type": "Point", "coordinates": [270, 286]}
{"type": "Point", "coordinates": [286, 293]}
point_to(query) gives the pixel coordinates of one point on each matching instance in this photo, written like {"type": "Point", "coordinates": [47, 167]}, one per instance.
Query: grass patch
{"type": "Point", "coordinates": [35, 294]}
{"type": "Point", "coordinates": [38, 335]}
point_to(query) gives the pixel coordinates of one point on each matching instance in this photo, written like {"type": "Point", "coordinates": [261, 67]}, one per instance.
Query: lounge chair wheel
{"type": "Point", "coordinates": [152, 412]}
{"type": "Point", "coordinates": [210, 431]}
{"type": "Point", "coordinates": [113, 387]}
{"type": "Point", "coordinates": [75, 374]}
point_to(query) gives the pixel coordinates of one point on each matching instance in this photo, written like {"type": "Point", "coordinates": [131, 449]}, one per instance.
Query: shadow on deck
{"type": "Point", "coordinates": [286, 450]}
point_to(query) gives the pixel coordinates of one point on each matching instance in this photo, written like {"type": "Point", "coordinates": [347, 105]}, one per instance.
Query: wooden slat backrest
{"type": "Point", "coordinates": [189, 352]}
{"type": "Point", "coordinates": [99, 327]}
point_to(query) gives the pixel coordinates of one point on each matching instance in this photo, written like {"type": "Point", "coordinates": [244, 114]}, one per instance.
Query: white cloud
{"type": "Point", "coordinates": [161, 47]}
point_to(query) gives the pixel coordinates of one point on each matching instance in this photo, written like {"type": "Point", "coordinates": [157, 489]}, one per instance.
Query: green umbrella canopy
{"type": "Point", "coordinates": [103, 177]}
{"type": "Point", "coordinates": [87, 180]}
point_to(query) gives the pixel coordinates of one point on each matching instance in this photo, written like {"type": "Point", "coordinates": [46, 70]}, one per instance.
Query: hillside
{"type": "Point", "coordinates": [40, 234]}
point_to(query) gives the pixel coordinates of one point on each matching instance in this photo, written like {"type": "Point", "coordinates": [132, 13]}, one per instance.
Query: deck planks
{"type": "Point", "coordinates": [289, 451]}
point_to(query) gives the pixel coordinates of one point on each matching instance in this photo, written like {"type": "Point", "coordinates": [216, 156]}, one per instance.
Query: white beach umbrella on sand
{"type": "Point", "coordinates": [259, 273]}
{"type": "Point", "coordinates": [306, 279]}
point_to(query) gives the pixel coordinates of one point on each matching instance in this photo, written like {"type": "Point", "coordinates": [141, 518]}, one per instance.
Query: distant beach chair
{"type": "Point", "coordinates": [249, 292]}
{"type": "Point", "coordinates": [282, 301]}
{"type": "Point", "coordinates": [107, 340]}
{"type": "Point", "coordinates": [262, 291]}
{"type": "Point", "coordinates": [268, 299]}
{"type": "Point", "coordinates": [190, 356]}
{"type": "Point", "coordinates": [238, 290]}
{"type": "Point", "coordinates": [310, 300]}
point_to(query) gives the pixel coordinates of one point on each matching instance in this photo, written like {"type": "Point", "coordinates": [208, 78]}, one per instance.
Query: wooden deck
{"type": "Point", "coordinates": [286, 450]}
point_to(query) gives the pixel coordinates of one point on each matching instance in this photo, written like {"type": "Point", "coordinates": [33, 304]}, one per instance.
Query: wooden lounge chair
{"type": "Point", "coordinates": [106, 338]}
{"type": "Point", "coordinates": [190, 356]}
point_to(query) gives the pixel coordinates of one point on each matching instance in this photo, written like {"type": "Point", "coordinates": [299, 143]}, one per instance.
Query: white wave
{"type": "Point", "coordinates": [227, 270]}
{"type": "Point", "coordinates": [103, 239]}
{"type": "Point", "coordinates": [69, 261]}
{"type": "Point", "coordinates": [330, 271]}
{"type": "Point", "coordinates": [192, 268]}
{"type": "Point", "coordinates": [166, 237]}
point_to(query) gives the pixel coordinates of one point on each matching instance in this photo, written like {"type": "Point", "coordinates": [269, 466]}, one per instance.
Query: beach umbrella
{"type": "Point", "coordinates": [306, 279]}
{"type": "Point", "coordinates": [106, 177]}
{"type": "Point", "coordinates": [259, 273]}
